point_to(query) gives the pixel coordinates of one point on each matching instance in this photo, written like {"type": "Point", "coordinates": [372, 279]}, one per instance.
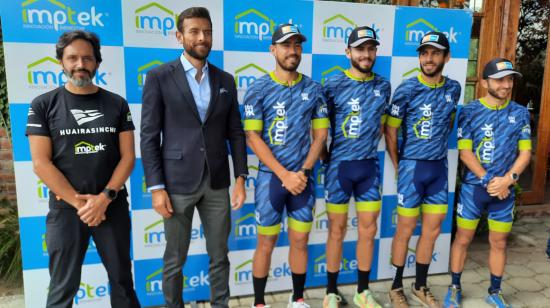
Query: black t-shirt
{"type": "Point", "coordinates": [84, 130]}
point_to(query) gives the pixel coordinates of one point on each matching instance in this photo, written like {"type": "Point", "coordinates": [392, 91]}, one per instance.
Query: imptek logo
{"type": "Point", "coordinates": [153, 282]}
{"type": "Point", "coordinates": [321, 221]}
{"type": "Point", "coordinates": [338, 28]}
{"type": "Point", "coordinates": [351, 127]}
{"type": "Point", "coordinates": [153, 235]}
{"type": "Point", "coordinates": [416, 29]}
{"type": "Point", "coordinates": [43, 192]}
{"type": "Point", "coordinates": [40, 74]}
{"type": "Point", "coordinates": [247, 74]}
{"type": "Point", "coordinates": [91, 293]}
{"type": "Point", "coordinates": [163, 22]}
{"type": "Point", "coordinates": [243, 272]}
{"type": "Point", "coordinates": [84, 147]}
{"type": "Point", "coordinates": [277, 130]}
{"type": "Point", "coordinates": [423, 128]}
{"type": "Point", "coordinates": [346, 265]}
{"type": "Point", "coordinates": [486, 147]}
{"type": "Point", "coordinates": [253, 24]}
{"type": "Point", "coordinates": [246, 226]}
{"type": "Point", "coordinates": [142, 71]}
{"type": "Point", "coordinates": [410, 261]}
{"type": "Point", "coordinates": [58, 17]}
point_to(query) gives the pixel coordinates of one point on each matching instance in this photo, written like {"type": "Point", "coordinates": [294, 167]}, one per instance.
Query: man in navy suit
{"type": "Point", "coordinates": [189, 111]}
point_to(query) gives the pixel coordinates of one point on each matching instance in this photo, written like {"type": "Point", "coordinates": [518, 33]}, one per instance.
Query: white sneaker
{"type": "Point", "coordinates": [260, 306]}
{"type": "Point", "coordinates": [298, 304]}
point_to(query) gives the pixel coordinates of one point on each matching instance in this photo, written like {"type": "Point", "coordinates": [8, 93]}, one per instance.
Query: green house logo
{"type": "Point", "coordinates": [246, 226]}
{"type": "Point", "coordinates": [321, 220]}
{"type": "Point", "coordinates": [154, 233]}
{"type": "Point", "coordinates": [346, 265]}
{"type": "Point", "coordinates": [411, 73]}
{"type": "Point", "coordinates": [415, 30]}
{"type": "Point", "coordinates": [253, 24]}
{"type": "Point", "coordinates": [329, 72]}
{"type": "Point", "coordinates": [155, 18]}
{"type": "Point", "coordinates": [247, 74]}
{"type": "Point", "coordinates": [153, 282]}
{"type": "Point", "coordinates": [40, 73]}
{"type": "Point", "coordinates": [142, 71]}
{"type": "Point", "coordinates": [243, 272]}
{"type": "Point", "coordinates": [59, 17]}
{"type": "Point", "coordinates": [338, 28]}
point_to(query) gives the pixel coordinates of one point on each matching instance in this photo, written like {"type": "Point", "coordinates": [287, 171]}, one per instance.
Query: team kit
{"type": "Point", "coordinates": [291, 122]}
{"type": "Point", "coordinates": [357, 107]}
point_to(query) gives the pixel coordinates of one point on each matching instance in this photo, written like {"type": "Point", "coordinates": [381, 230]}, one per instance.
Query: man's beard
{"type": "Point", "coordinates": [362, 70]}
{"type": "Point", "coordinates": [79, 82]}
{"type": "Point", "coordinates": [438, 69]}
{"type": "Point", "coordinates": [196, 55]}
{"type": "Point", "coordinates": [495, 94]}
{"type": "Point", "coordinates": [290, 67]}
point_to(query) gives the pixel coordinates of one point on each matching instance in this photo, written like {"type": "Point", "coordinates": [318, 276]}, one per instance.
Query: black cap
{"type": "Point", "coordinates": [284, 32]}
{"type": "Point", "coordinates": [498, 68]}
{"type": "Point", "coordinates": [435, 39]}
{"type": "Point", "coordinates": [361, 35]}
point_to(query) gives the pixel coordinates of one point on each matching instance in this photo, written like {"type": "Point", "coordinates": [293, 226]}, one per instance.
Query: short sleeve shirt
{"type": "Point", "coordinates": [495, 135]}
{"type": "Point", "coordinates": [284, 115]}
{"type": "Point", "coordinates": [84, 130]}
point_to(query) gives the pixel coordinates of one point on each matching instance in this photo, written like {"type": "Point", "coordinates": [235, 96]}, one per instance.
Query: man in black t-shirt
{"type": "Point", "coordinates": [82, 145]}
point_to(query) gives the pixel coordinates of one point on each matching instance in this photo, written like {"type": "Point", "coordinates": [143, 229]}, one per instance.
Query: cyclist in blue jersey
{"type": "Point", "coordinates": [424, 108]}
{"type": "Point", "coordinates": [494, 139]}
{"type": "Point", "coordinates": [280, 111]}
{"type": "Point", "coordinates": [356, 100]}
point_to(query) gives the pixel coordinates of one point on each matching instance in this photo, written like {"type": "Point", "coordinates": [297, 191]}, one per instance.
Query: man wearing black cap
{"type": "Point", "coordinates": [494, 139]}
{"type": "Point", "coordinates": [423, 107]}
{"type": "Point", "coordinates": [356, 100]}
{"type": "Point", "coordinates": [280, 109]}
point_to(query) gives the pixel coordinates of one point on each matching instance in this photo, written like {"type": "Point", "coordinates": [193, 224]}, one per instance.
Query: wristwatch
{"type": "Point", "coordinates": [306, 172]}
{"type": "Point", "coordinates": [514, 176]}
{"type": "Point", "coordinates": [111, 194]}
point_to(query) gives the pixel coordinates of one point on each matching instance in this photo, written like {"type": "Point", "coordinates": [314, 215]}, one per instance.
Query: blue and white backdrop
{"type": "Point", "coordinates": [138, 35]}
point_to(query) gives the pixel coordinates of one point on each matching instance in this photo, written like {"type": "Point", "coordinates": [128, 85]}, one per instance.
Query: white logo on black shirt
{"type": "Point", "coordinates": [85, 116]}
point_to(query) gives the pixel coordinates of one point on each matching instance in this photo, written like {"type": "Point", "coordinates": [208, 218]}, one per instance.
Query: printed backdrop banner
{"type": "Point", "coordinates": [138, 35]}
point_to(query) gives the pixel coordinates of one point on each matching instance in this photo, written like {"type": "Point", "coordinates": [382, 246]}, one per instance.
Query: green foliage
{"type": "Point", "coordinates": [4, 106]}
{"type": "Point", "coordinates": [10, 247]}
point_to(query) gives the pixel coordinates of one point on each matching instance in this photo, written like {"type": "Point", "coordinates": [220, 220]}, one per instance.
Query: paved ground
{"type": "Point", "coordinates": [526, 281]}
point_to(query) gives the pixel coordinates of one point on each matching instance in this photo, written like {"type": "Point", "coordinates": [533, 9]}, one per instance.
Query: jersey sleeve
{"type": "Point", "coordinates": [320, 114]}
{"type": "Point", "coordinates": [252, 113]}
{"type": "Point", "coordinates": [125, 122]}
{"type": "Point", "coordinates": [464, 132]}
{"type": "Point", "coordinates": [524, 143]}
{"type": "Point", "coordinates": [37, 121]}
{"type": "Point", "coordinates": [396, 109]}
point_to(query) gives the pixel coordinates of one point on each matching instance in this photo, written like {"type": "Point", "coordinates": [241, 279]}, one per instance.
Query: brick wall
{"type": "Point", "coordinates": [7, 177]}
